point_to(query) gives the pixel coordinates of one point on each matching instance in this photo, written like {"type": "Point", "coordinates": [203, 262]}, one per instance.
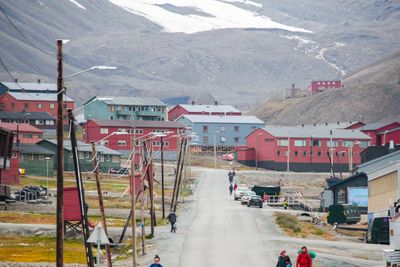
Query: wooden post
{"type": "Point", "coordinates": [101, 203]}
{"type": "Point", "coordinates": [60, 159]}
{"type": "Point", "coordinates": [133, 205]}
{"type": "Point", "coordinates": [143, 200]}
{"type": "Point", "coordinates": [162, 178]}
{"type": "Point", "coordinates": [151, 189]}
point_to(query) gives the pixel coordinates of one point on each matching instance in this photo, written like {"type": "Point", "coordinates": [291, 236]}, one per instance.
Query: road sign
{"type": "Point", "coordinates": [98, 235]}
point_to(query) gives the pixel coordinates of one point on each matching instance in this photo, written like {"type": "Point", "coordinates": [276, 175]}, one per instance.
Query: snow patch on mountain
{"type": "Point", "coordinates": [77, 4]}
{"type": "Point", "coordinates": [222, 15]}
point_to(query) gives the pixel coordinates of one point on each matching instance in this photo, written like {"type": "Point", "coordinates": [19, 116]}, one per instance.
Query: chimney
{"type": "Point", "coordinates": [16, 80]}
{"type": "Point", "coordinates": [391, 146]}
{"type": "Point", "coordinates": [38, 80]}
{"type": "Point", "coordinates": [193, 102]}
{"type": "Point", "coordinates": [216, 103]}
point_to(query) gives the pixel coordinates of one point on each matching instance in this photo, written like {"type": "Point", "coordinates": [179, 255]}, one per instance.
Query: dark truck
{"type": "Point", "coordinates": [270, 190]}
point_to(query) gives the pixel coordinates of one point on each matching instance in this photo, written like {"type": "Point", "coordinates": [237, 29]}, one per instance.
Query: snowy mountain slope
{"type": "Point", "coordinates": [200, 50]}
{"type": "Point", "coordinates": [201, 15]}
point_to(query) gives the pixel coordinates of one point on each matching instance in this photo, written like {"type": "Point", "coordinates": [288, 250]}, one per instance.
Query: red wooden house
{"type": "Point", "coordinates": [382, 133]}
{"type": "Point", "coordinates": [27, 134]}
{"type": "Point", "coordinates": [303, 148]}
{"type": "Point", "coordinates": [9, 163]}
{"type": "Point", "coordinates": [118, 134]}
{"type": "Point", "coordinates": [319, 86]}
{"type": "Point", "coordinates": [223, 110]}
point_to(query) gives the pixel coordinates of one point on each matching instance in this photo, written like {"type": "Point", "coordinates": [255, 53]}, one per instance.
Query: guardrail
{"type": "Point", "coordinates": [293, 200]}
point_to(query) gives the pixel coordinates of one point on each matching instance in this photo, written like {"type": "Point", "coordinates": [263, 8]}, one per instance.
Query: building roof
{"type": "Point", "coordinates": [34, 149]}
{"type": "Point", "coordinates": [83, 147]}
{"type": "Point", "coordinates": [26, 115]}
{"type": "Point", "coordinates": [314, 132]}
{"type": "Point", "coordinates": [375, 126]}
{"type": "Point", "coordinates": [389, 131]}
{"type": "Point", "coordinates": [210, 108]}
{"type": "Point", "coordinates": [139, 123]}
{"type": "Point", "coordinates": [31, 86]}
{"type": "Point", "coordinates": [379, 162]}
{"type": "Point", "coordinates": [223, 119]}
{"type": "Point", "coordinates": [37, 96]}
{"type": "Point", "coordinates": [129, 100]}
{"type": "Point", "coordinates": [348, 179]}
{"type": "Point", "coordinates": [22, 127]}
{"type": "Point", "coordinates": [334, 125]}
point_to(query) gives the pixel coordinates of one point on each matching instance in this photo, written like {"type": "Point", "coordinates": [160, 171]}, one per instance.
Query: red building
{"type": "Point", "coordinates": [33, 102]}
{"type": "Point", "coordinates": [118, 134]}
{"type": "Point", "coordinates": [223, 110]}
{"type": "Point", "coordinates": [320, 86]}
{"type": "Point", "coordinates": [382, 133]}
{"type": "Point", "coordinates": [28, 134]}
{"type": "Point", "coordinates": [9, 163]}
{"type": "Point", "coordinates": [306, 148]}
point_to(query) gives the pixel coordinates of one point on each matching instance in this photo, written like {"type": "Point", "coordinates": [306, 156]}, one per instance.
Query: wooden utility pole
{"type": "Point", "coordinates": [179, 172]}
{"type": "Point", "coordinates": [176, 173]}
{"type": "Point", "coordinates": [60, 159]}
{"type": "Point", "coordinates": [101, 203]}
{"type": "Point", "coordinates": [162, 178]}
{"type": "Point", "coordinates": [143, 200]}
{"type": "Point", "coordinates": [133, 204]}
{"type": "Point", "coordinates": [150, 175]}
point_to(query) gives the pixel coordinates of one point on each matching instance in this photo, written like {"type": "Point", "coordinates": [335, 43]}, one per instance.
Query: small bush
{"type": "Point", "coordinates": [288, 222]}
{"type": "Point", "coordinates": [318, 231]}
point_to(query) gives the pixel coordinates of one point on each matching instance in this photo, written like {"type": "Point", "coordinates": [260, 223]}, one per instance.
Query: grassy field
{"type": "Point", "coordinates": [39, 249]}
{"type": "Point", "coordinates": [293, 227]}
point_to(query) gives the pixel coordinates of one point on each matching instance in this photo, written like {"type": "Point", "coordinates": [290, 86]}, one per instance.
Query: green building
{"type": "Point", "coordinates": [125, 108]}
{"type": "Point", "coordinates": [108, 158]}
{"type": "Point", "coordinates": [36, 160]}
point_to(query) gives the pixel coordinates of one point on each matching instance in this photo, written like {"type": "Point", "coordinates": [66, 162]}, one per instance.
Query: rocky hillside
{"type": "Point", "coordinates": [371, 94]}
{"type": "Point", "coordinates": [170, 48]}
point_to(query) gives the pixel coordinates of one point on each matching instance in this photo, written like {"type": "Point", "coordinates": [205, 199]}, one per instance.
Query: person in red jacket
{"type": "Point", "coordinates": [304, 258]}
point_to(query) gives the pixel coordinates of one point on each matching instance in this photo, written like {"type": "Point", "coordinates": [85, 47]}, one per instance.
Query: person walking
{"type": "Point", "coordinates": [304, 258]}
{"type": "Point", "coordinates": [172, 219]}
{"type": "Point", "coordinates": [283, 260]}
{"type": "Point", "coordinates": [156, 262]}
{"type": "Point", "coordinates": [235, 186]}
{"type": "Point", "coordinates": [230, 176]}
{"type": "Point", "coordinates": [230, 189]}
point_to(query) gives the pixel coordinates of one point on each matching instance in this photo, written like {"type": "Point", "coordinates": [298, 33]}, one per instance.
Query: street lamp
{"type": "Point", "coordinates": [215, 150]}
{"type": "Point", "coordinates": [47, 176]}
{"type": "Point", "coordinates": [100, 67]}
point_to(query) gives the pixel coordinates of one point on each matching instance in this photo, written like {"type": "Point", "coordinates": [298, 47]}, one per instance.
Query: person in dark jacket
{"type": "Point", "coordinates": [231, 189]}
{"type": "Point", "coordinates": [172, 219]}
{"type": "Point", "coordinates": [283, 260]}
{"type": "Point", "coordinates": [156, 262]}
{"type": "Point", "coordinates": [304, 258]}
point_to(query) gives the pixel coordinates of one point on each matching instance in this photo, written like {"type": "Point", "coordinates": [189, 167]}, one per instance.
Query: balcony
{"type": "Point", "coordinates": [123, 113]}
{"type": "Point", "coordinates": [149, 113]}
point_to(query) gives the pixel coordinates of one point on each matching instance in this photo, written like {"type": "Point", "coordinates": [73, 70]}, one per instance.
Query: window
{"type": "Point", "coordinates": [296, 153]}
{"type": "Point", "coordinates": [156, 143]}
{"type": "Point", "coordinates": [104, 142]}
{"type": "Point", "coordinates": [223, 128]}
{"type": "Point", "coordinates": [121, 130]}
{"type": "Point", "coordinates": [12, 105]}
{"type": "Point", "coordinates": [26, 106]}
{"type": "Point", "coordinates": [304, 153]}
{"type": "Point", "coordinates": [49, 122]}
{"type": "Point", "coordinates": [335, 143]}
{"type": "Point", "coordinates": [253, 128]}
{"type": "Point", "coordinates": [166, 144]}
{"type": "Point", "coordinates": [22, 157]}
{"type": "Point", "coordinates": [52, 105]}
{"type": "Point", "coordinates": [139, 131]}
{"type": "Point", "coordinates": [223, 139]}
{"type": "Point", "coordinates": [236, 139]}
{"type": "Point", "coordinates": [39, 105]}
{"type": "Point", "coordinates": [104, 130]}
{"type": "Point", "coordinates": [348, 143]}
{"type": "Point", "coordinates": [101, 158]}
{"type": "Point", "coordinates": [319, 154]}
{"type": "Point", "coordinates": [121, 143]}
{"type": "Point", "coordinates": [364, 144]}
{"type": "Point", "coordinates": [115, 159]}
{"type": "Point", "coordinates": [316, 143]}
{"type": "Point", "coordinates": [27, 135]}
{"type": "Point", "coordinates": [283, 142]}
{"type": "Point", "coordinates": [236, 128]}
{"type": "Point", "coordinates": [205, 139]}
{"type": "Point", "coordinates": [343, 154]}
{"type": "Point", "coordinates": [205, 129]}
{"type": "Point", "coordinates": [278, 153]}
{"type": "Point", "coordinates": [111, 108]}
{"type": "Point", "coordinates": [300, 143]}
{"type": "Point", "coordinates": [341, 196]}
{"type": "Point", "coordinates": [39, 122]}
{"type": "Point", "coordinates": [81, 155]}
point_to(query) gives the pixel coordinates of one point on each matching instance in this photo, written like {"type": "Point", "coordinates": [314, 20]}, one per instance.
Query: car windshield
{"type": "Point", "coordinates": [243, 189]}
{"type": "Point", "coordinates": [256, 197]}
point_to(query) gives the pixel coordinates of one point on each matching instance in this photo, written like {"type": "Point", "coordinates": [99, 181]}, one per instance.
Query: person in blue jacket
{"type": "Point", "coordinates": [156, 262]}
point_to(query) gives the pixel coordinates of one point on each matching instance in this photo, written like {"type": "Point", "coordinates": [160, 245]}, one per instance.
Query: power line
{"type": "Point", "coordinates": [27, 41]}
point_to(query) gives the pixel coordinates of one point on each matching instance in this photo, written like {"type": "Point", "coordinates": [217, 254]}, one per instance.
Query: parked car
{"type": "Point", "coordinates": [246, 197]}
{"type": "Point", "coordinates": [255, 201]}
{"type": "Point", "coordinates": [240, 192]}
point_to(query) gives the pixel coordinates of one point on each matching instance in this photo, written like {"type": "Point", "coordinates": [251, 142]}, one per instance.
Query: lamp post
{"type": "Point", "coordinates": [47, 176]}
{"type": "Point", "coordinates": [60, 149]}
{"type": "Point", "coordinates": [215, 149]}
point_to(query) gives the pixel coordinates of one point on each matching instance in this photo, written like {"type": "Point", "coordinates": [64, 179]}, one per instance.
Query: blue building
{"type": "Point", "coordinates": [226, 131]}
{"type": "Point", "coordinates": [125, 108]}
